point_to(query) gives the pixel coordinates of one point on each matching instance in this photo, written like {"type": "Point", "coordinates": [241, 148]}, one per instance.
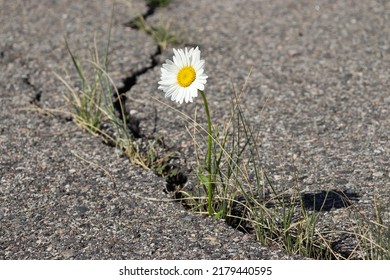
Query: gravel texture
{"type": "Point", "coordinates": [317, 94]}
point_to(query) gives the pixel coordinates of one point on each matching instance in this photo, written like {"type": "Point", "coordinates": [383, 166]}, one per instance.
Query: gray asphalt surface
{"type": "Point", "coordinates": [317, 94]}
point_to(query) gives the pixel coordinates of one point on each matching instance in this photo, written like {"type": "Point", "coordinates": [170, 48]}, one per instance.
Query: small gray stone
{"type": "Point", "coordinates": [378, 174]}
{"type": "Point", "coordinates": [187, 218]}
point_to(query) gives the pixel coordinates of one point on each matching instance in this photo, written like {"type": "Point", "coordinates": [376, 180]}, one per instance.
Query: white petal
{"type": "Point", "coordinates": [202, 77]}
{"type": "Point", "coordinates": [187, 97]}
{"type": "Point", "coordinates": [199, 85]}
{"type": "Point", "coordinates": [171, 89]}
{"type": "Point", "coordinates": [198, 65]}
{"type": "Point", "coordinates": [194, 59]}
{"type": "Point", "coordinates": [183, 58]}
{"type": "Point", "coordinates": [199, 72]}
{"type": "Point", "coordinates": [168, 80]}
{"type": "Point", "coordinates": [177, 59]}
{"type": "Point", "coordinates": [187, 56]}
{"type": "Point", "coordinates": [196, 55]}
{"type": "Point", "coordinates": [170, 67]}
{"type": "Point", "coordinates": [174, 94]}
{"type": "Point", "coordinates": [169, 62]}
{"type": "Point", "coordinates": [182, 98]}
{"type": "Point", "coordinates": [190, 52]}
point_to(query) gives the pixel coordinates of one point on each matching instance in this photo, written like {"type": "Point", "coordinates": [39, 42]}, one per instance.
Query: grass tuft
{"type": "Point", "coordinates": [91, 104]}
{"type": "Point", "coordinates": [162, 34]}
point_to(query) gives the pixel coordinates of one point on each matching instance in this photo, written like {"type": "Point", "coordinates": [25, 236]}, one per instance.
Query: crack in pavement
{"type": "Point", "coordinates": [36, 99]}
{"type": "Point", "coordinates": [174, 178]}
{"type": "Point", "coordinates": [128, 83]}
{"type": "Point", "coordinates": [151, 9]}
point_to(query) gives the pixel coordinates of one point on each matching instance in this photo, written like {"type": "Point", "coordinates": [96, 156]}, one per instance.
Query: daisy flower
{"type": "Point", "coordinates": [184, 76]}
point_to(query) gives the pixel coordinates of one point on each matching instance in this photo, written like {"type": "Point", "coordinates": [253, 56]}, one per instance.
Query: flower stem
{"type": "Point", "coordinates": [210, 187]}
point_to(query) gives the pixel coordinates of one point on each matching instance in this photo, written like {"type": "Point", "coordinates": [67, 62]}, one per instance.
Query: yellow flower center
{"type": "Point", "coordinates": [186, 76]}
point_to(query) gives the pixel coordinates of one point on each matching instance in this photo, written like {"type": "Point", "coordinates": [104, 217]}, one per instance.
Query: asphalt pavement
{"type": "Point", "coordinates": [317, 95]}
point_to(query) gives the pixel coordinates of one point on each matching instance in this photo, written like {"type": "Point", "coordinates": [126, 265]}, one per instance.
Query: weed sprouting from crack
{"type": "Point", "coordinates": [162, 34]}
{"type": "Point", "coordinates": [152, 6]}
{"type": "Point", "coordinates": [98, 106]}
